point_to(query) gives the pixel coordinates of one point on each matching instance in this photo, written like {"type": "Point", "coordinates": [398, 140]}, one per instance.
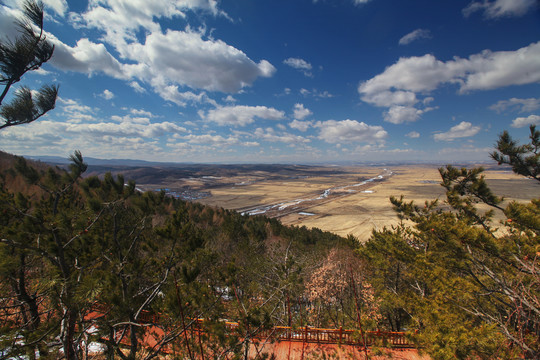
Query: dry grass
{"type": "Point", "coordinates": [359, 212]}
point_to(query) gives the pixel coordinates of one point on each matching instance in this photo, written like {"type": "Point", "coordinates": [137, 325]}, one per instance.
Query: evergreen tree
{"type": "Point", "coordinates": [524, 159]}
{"type": "Point", "coordinates": [27, 52]}
{"type": "Point", "coordinates": [471, 286]}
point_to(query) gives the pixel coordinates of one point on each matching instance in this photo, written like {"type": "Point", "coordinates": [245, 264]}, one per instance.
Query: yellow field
{"type": "Point", "coordinates": [354, 210]}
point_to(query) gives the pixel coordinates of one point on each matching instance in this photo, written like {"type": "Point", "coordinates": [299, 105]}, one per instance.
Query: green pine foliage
{"type": "Point", "coordinates": [27, 52]}
{"type": "Point", "coordinates": [468, 285]}
{"type": "Point", "coordinates": [93, 260]}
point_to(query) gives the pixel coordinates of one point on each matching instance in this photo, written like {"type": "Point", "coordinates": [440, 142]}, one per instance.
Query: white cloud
{"type": "Point", "coordinates": [86, 57]}
{"type": "Point", "coordinates": [415, 35]}
{"type": "Point", "coordinates": [389, 98]}
{"type": "Point", "coordinates": [59, 6]}
{"type": "Point", "coordinates": [8, 16]}
{"type": "Point", "coordinates": [413, 135]}
{"type": "Point", "coordinates": [241, 115]}
{"type": "Point", "coordinates": [166, 61]}
{"type": "Point", "coordinates": [127, 127]}
{"type": "Point", "coordinates": [300, 125]}
{"type": "Point", "coordinates": [300, 112]}
{"type": "Point", "coordinates": [137, 87]}
{"type": "Point", "coordinates": [315, 93]}
{"type": "Point", "coordinates": [271, 135]}
{"type": "Point", "coordinates": [333, 131]}
{"type": "Point", "coordinates": [141, 112]}
{"type": "Point", "coordinates": [398, 114]}
{"type": "Point", "coordinates": [172, 94]}
{"type": "Point", "coordinates": [122, 135]}
{"type": "Point", "coordinates": [71, 106]}
{"type": "Point", "coordinates": [484, 71]}
{"type": "Point", "coordinates": [526, 121]}
{"type": "Point", "coordinates": [185, 58]}
{"type": "Point", "coordinates": [500, 8]}
{"type": "Point", "coordinates": [207, 139]}
{"type": "Point", "coordinates": [120, 19]}
{"type": "Point", "coordinates": [230, 99]}
{"type": "Point", "coordinates": [524, 105]}
{"type": "Point", "coordinates": [107, 94]}
{"type": "Point", "coordinates": [403, 82]}
{"type": "Point", "coordinates": [463, 129]}
{"type": "Point", "coordinates": [299, 64]}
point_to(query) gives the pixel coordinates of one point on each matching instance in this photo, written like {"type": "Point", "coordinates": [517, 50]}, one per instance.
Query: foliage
{"type": "Point", "coordinates": [28, 52]}
{"type": "Point", "coordinates": [471, 287]}
{"type": "Point", "coordinates": [92, 260]}
{"type": "Point", "coordinates": [524, 159]}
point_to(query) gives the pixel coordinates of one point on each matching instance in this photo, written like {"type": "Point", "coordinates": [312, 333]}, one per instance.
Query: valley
{"type": "Point", "coordinates": [345, 200]}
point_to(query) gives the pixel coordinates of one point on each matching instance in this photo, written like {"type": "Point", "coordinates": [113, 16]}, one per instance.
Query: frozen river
{"type": "Point", "coordinates": [282, 206]}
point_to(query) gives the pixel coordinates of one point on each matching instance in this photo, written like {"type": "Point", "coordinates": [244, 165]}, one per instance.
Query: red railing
{"type": "Point", "coordinates": [304, 334]}
{"type": "Point", "coordinates": [325, 336]}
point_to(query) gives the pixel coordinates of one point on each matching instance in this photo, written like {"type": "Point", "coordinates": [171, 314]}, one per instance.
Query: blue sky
{"type": "Point", "coordinates": [284, 81]}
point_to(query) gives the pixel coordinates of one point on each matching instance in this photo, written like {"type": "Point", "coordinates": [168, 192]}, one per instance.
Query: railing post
{"type": "Point", "coordinates": [305, 334]}
{"type": "Point", "coordinates": [340, 333]}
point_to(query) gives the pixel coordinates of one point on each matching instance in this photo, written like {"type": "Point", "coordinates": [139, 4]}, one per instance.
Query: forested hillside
{"type": "Point", "coordinates": [72, 245]}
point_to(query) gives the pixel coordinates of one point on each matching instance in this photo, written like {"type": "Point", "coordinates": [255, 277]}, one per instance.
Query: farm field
{"type": "Point", "coordinates": [341, 199]}
{"type": "Point", "coordinates": [353, 206]}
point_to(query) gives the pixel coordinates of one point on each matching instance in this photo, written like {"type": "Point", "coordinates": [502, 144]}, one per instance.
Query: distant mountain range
{"type": "Point", "coordinates": [58, 160]}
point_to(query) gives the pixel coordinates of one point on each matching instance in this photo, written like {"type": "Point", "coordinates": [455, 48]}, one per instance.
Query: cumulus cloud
{"type": "Point", "coordinates": [141, 112]}
{"type": "Point", "coordinates": [398, 114]}
{"type": "Point", "coordinates": [402, 83]}
{"type": "Point", "coordinates": [299, 64]}
{"type": "Point", "coordinates": [415, 35]}
{"type": "Point", "coordinates": [526, 121]}
{"type": "Point", "coordinates": [86, 57]}
{"type": "Point", "coordinates": [300, 125]}
{"type": "Point", "coordinates": [137, 87]}
{"type": "Point", "coordinates": [172, 94]}
{"type": "Point", "coordinates": [300, 112]}
{"type": "Point", "coordinates": [484, 71]}
{"type": "Point", "coordinates": [58, 6]}
{"type": "Point", "coordinates": [119, 132]}
{"type": "Point", "coordinates": [463, 129]}
{"type": "Point", "coordinates": [215, 140]}
{"type": "Point", "coordinates": [413, 135]}
{"type": "Point", "coordinates": [107, 94]}
{"type": "Point", "coordinates": [241, 115]}
{"type": "Point", "coordinates": [126, 127]}
{"type": "Point", "coordinates": [388, 98]}
{"type": "Point", "coordinates": [120, 19]}
{"type": "Point", "coordinates": [334, 132]}
{"type": "Point", "coordinates": [182, 59]}
{"type": "Point", "coordinates": [71, 106]}
{"type": "Point", "coordinates": [185, 58]}
{"type": "Point", "coordinates": [500, 8]}
{"type": "Point", "coordinates": [315, 93]}
{"type": "Point", "coordinates": [269, 134]}
{"type": "Point", "coordinates": [522, 105]}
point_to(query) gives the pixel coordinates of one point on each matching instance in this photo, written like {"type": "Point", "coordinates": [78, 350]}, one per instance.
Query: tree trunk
{"type": "Point", "coordinates": [68, 334]}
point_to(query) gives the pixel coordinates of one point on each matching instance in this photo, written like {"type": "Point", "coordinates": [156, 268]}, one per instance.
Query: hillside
{"type": "Point", "coordinates": [102, 242]}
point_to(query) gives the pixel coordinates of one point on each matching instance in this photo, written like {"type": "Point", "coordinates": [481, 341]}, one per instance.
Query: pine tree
{"type": "Point", "coordinates": [524, 159]}
{"type": "Point", "coordinates": [28, 52]}
{"type": "Point", "coordinates": [471, 286]}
